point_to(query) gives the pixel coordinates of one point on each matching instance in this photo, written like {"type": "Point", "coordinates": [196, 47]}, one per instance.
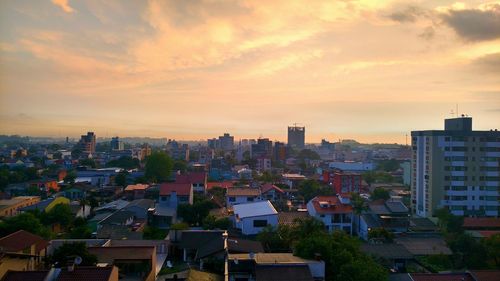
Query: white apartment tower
{"type": "Point", "coordinates": [456, 168]}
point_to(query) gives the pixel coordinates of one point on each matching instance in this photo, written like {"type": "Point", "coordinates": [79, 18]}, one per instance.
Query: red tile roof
{"type": "Point", "coordinates": [486, 275]}
{"type": "Point", "coordinates": [224, 184]}
{"type": "Point", "coordinates": [136, 187]}
{"type": "Point", "coordinates": [192, 177]}
{"type": "Point", "coordinates": [21, 240]}
{"type": "Point", "coordinates": [481, 223]}
{"type": "Point", "coordinates": [84, 273]}
{"type": "Point", "coordinates": [183, 189]}
{"type": "Point", "coordinates": [243, 192]}
{"type": "Point", "coordinates": [336, 207]}
{"type": "Point", "coordinates": [268, 187]}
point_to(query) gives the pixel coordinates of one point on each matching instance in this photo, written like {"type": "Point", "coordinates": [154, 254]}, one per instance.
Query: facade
{"type": "Point", "coordinates": [332, 212]}
{"type": "Point", "coordinates": [296, 136]}
{"type": "Point", "coordinates": [343, 182]}
{"type": "Point", "coordinates": [279, 152]}
{"type": "Point", "coordinates": [117, 144]}
{"type": "Point", "coordinates": [10, 207]}
{"type": "Point", "coordinates": [226, 142]}
{"type": "Point", "coordinates": [262, 149]}
{"type": "Point", "coordinates": [456, 168]}
{"type": "Point", "coordinates": [263, 164]}
{"type": "Point", "coordinates": [174, 194]}
{"type": "Point", "coordinates": [87, 142]}
{"type": "Point", "coordinates": [251, 218]}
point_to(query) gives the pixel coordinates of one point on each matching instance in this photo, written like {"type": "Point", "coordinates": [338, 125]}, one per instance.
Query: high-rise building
{"type": "Point", "coordinates": [296, 136]}
{"type": "Point", "coordinates": [279, 152]}
{"type": "Point", "coordinates": [117, 144]}
{"type": "Point", "coordinates": [456, 168]}
{"type": "Point", "coordinates": [262, 149]}
{"type": "Point", "coordinates": [87, 142]}
{"type": "Point", "coordinates": [226, 142]}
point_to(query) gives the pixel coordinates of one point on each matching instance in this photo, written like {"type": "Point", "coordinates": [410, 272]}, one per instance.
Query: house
{"type": "Point", "coordinates": [140, 208]}
{"type": "Point", "coordinates": [292, 180]}
{"type": "Point", "coordinates": [46, 205]}
{"type": "Point", "coordinates": [473, 275]}
{"type": "Point", "coordinates": [224, 184]}
{"type": "Point", "coordinates": [136, 191]}
{"type": "Point", "coordinates": [197, 179]}
{"type": "Point", "coordinates": [74, 194]}
{"type": "Point", "coordinates": [274, 266]}
{"type": "Point", "coordinates": [134, 262]}
{"type": "Point", "coordinates": [75, 273]}
{"type": "Point", "coordinates": [120, 225]}
{"type": "Point", "coordinates": [335, 214]}
{"type": "Point", "coordinates": [271, 192]}
{"type": "Point", "coordinates": [235, 196]}
{"type": "Point", "coordinates": [482, 227]}
{"type": "Point", "coordinates": [251, 218]}
{"type": "Point", "coordinates": [396, 255]}
{"type": "Point", "coordinates": [44, 185]}
{"type": "Point", "coordinates": [427, 245]}
{"type": "Point", "coordinates": [174, 194]}
{"type": "Point", "coordinates": [198, 245]}
{"type": "Point", "coordinates": [11, 207]}
{"type": "Point", "coordinates": [343, 182]}
{"type": "Point", "coordinates": [21, 250]}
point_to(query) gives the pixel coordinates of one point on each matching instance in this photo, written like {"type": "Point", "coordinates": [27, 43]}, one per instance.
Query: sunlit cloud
{"type": "Point", "coordinates": [64, 5]}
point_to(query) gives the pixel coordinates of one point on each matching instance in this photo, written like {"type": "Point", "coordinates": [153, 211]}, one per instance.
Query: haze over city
{"type": "Point", "coordinates": [368, 70]}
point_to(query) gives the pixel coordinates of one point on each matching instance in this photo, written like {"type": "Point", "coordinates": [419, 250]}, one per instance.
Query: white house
{"type": "Point", "coordinates": [235, 196]}
{"type": "Point", "coordinates": [335, 214]}
{"type": "Point", "coordinates": [251, 218]}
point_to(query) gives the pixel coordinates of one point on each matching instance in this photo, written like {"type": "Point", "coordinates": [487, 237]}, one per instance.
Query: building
{"type": "Point", "coordinates": [251, 218]}
{"type": "Point", "coordinates": [197, 179]}
{"type": "Point", "coordinates": [262, 149]}
{"type": "Point", "coordinates": [10, 207]}
{"type": "Point", "coordinates": [351, 166]}
{"type": "Point", "coordinates": [296, 136]}
{"type": "Point", "coordinates": [174, 194]}
{"type": "Point", "coordinates": [226, 142]}
{"type": "Point", "coordinates": [87, 142]}
{"type": "Point", "coordinates": [456, 168]}
{"type": "Point", "coordinates": [21, 250]}
{"type": "Point", "coordinates": [235, 196]}
{"type": "Point", "coordinates": [177, 150]}
{"type": "Point", "coordinates": [335, 214]}
{"type": "Point", "coordinates": [117, 144]}
{"type": "Point", "coordinates": [279, 152]}
{"type": "Point", "coordinates": [274, 266]}
{"type": "Point", "coordinates": [343, 182]}
{"type": "Point", "coordinates": [136, 191]}
{"type": "Point", "coordinates": [272, 192]}
{"type": "Point", "coordinates": [72, 273]}
{"type": "Point", "coordinates": [263, 164]}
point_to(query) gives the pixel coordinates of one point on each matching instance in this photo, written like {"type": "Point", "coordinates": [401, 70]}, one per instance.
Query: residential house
{"type": "Point", "coordinates": [335, 214]}
{"type": "Point", "coordinates": [271, 192]}
{"type": "Point", "coordinates": [74, 194]}
{"type": "Point", "coordinates": [274, 266]}
{"type": "Point", "coordinates": [44, 185]}
{"type": "Point", "coordinates": [482, 227]}
{"type": "Point", "coordinates": [136, 191]}
{"type": "Point", "coordinates": [251, 218]}
{"type": "Point", "coordinates": [46, 205]}
{"type": "Point", "coordinates": [74, 273]}
{"type": "Point", "coordinates": [197, 179]}
{"type": "Point", "coordinates": [134, 262]}
{"type": "Point", "coordinates": [21, 250]}
{"type": "Point", "coordinates": [395, 256]}
{"type": "Point", "coordinates": [10, 207]}
{"type": "Point", "coordinates": [174, 194]}
{"type": "Point", "coordinates": [235, 196]}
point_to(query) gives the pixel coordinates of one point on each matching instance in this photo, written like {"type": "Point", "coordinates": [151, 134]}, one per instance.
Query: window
{"type": "Point", "coordinates": [232, 199]}
{"type": "Point", "coordinates": [259, 223]}
{"type": "Point", "coordinates": [250, 199]}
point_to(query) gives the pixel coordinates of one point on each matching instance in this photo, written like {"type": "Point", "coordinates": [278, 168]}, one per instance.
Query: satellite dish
{"type": "Point", "coordinates": [78, 260]}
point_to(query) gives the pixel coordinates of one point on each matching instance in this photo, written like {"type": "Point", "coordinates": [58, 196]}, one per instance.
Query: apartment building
{"type": "Point", "coordinates": [456, 168]}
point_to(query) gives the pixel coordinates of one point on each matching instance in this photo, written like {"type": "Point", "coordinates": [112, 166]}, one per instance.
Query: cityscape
{"type": "Point", "coordinates": [249, 140]}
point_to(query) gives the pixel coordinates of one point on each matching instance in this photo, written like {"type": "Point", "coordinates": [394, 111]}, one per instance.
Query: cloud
{"type": "Point", "coordinates": [64, 5]}
{"type": "Point", "coordinates": [489, 63]}
{"type": "Point", "coordinates": [410, 14]}
{"type": "Point", "coordinates": [480, 24]}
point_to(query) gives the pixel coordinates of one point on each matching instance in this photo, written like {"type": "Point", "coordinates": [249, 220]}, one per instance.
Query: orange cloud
{"type": "Point", "coordinates": [64, 5]}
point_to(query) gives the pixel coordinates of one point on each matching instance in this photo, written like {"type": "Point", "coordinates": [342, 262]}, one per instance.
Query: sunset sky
{"type": "Point", "coordinates": [368, 70]}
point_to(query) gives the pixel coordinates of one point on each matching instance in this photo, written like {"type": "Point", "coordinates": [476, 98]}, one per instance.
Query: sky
{"type": "Point", "coordinates": [189, 70]}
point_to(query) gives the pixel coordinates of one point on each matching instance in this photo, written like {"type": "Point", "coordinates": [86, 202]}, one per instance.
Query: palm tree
{"type": "Point", "coordinates": [358, 206]}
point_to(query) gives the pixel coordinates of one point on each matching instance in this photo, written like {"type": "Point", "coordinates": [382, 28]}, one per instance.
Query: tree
{"type": "Point", "coordinates": [212, 222]}
{"type": "Point", "coordinates": [70, 177]}
{"type": "Point", "coordinates": [60, 213]}
{"type": "Point", "coordinates": [121, 178]}
{"type": "Point", "coordinates": [153, 233]}
{"type": "Point", "coordinates": [492, 246]}
{"type": "Point", "coordinates": [358, 206]}
{"type": "Point", "coordinates": [309, 189]}
{"type": "Point", "coordinates": [62, 254]}
{"type": "Point", "coordinates": [196, 213]}
{"type": "Point", "coordinates": [180, 165]}
{"type": "Point", "coordinates": [380, 193]}
{"type": "Point", "coordinates": [80, 229]}
{"type": "Point", "coordinates": [380, 233]}
{"type": "Point", "coordinates": [389, 165]}
{"type": "Point", "coordinates": [25, 221]}
{"type": "Point", "coordinates": [88, 162]}
{"type": "Point", "coordinates": [125, 162]}
{"type": "Point", "coordinates": [158, 167]}
{"type": "Point", "coordinates": [272, 241]}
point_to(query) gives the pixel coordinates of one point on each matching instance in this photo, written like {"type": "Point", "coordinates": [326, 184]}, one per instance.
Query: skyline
{"type": "Point", "coordinates": [193, 70]}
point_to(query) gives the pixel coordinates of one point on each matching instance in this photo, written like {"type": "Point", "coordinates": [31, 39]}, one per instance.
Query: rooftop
{"type": "Point", "coordinates": [183, 189]}
{"type": "Point", "coordinates": [21, 240]}
{"type": "Point", "coordinates": [262, 208]}
{"type": "Point", "coordinates": [330, 205]}
{"type": "Point", "coordinates": [268, 187]}
{"type": "Point", "coordinates": [481, 223]}
{"type": "Point", "coordinates": [83, 273]}
{"type": "Point", "coordinates": [132, 187]}
{"type": "Point", "coordinates": [423, 246]}
{"type": "Point", "coordinates": [271, 258]}
{"type": "Point", "coordinates": [243, 192]}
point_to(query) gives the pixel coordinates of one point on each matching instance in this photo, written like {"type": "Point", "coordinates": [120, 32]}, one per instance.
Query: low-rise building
{"type": "Point", "coordinates": [235, 196]}
{"type": "Point", "coordinates": [335, 214]}
{"type": "Point", "coordinates": [271, 192]}
{"type": "Point", "coordinates": [174, 194]}
{"type": "Point", "coordinates": [251, 218]}
{"type": "Point", "coordinates": [11, 207]}
{"type": "Point", "coordinates": [136, 191]}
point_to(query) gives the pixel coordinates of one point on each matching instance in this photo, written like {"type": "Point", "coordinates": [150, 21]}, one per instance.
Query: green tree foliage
{"type": "Point", "coordinates": [212, 222]}
{"type": "Point", "coordinates": [272, 241]}
{"type": "Point", "coordinates": [25, 221]}
{"type": "Point", "coordinates": [62, 254]}
{"type": "Point", "coordinates": [80, 229]}
{"type": "Point", "coordinates": [70, 177]}
{"type": "Point", "coordinates": [60, 213]}
{"type": "Point", "coordinates": [88, 162]}
{"type": "Point", "coordinates": [380, 193]}
{"type": "Point", "coordinates": [153, 233]}
{"type": "Point", "coordinates": [381, 233]}
{"type": "Point", "coordinates": [158, 167]}
{"type": "Point", "coordinates": [196, 213]}
{"type": "Point", "coordinates": [121, 179]}
{"type": "Point", "coordinates": [180, 165]}
{"type": "Point", "coordinates": [377, 177]}
{"type": "Point", "coordinates": [310, 188]}
{"type": "Point", "coordinates": [448, 222]}
{"type": "Point", "coordinates": [125, 162]}
{"type": "Point", "coordinates": [389, 165]}
{"type": "Point", "coordinates": [492, 246]}
{"type": "Point", "coordinates": [308, 154]}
